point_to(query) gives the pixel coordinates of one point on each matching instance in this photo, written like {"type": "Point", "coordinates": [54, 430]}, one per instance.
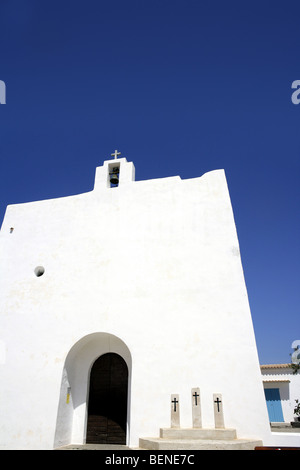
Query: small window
{"type": "Point", "coordinates": [39, 271]}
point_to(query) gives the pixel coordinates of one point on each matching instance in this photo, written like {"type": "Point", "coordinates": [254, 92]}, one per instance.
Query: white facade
{"type": "Point", "coordinates": [280, 377]}
{"type": "Point", "coordinates": [150, 270]}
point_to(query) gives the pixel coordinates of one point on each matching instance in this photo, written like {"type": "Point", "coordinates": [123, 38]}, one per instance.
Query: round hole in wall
{"type": "Point", "coordinates": [39, 271]}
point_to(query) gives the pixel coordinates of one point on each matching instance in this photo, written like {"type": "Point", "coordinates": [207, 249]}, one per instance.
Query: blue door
{"type": "Point", "coordinates": [274, 405]}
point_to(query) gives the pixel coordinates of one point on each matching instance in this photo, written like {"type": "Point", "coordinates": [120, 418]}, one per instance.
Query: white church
{"type": "Point", "coordinates": [114, 301]}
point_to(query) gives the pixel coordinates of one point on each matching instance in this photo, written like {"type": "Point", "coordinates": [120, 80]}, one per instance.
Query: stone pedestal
{"type": "Point", "coordinates": [175, 412]}
{"type": "Point", "coordinates": [218, 411]}
{"type": "Point", "coordinates": [198, 439]}
{"type": "Point", "coordinates": [196, 408]}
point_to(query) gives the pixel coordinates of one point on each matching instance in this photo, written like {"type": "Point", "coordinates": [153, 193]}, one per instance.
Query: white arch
{"type": "Point", "coordinates": [72, 408]}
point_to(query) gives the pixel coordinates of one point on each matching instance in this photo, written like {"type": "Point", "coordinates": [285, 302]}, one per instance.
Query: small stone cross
{"type": "Point", "coordinates": [196, 408]}
{"type": "Point", "coordinates": [175, 401]}
{"type": "Point", "coordinates": [218, 411]}
{"type": "Point", "coordinates": [175, 415]}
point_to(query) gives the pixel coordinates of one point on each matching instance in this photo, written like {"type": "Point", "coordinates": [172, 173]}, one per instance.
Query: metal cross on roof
{"type": "Point", "coordinates": [115, 154]}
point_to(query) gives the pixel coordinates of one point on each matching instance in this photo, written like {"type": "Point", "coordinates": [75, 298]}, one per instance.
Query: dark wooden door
{"type": "Point", "coordinates": [107, 406]}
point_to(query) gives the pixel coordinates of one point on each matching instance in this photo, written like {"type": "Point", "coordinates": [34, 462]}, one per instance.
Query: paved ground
{"type": "Point", "coordinates": [278, 427]}
{"type": "Point", "coordinates": [284, 429]}
{"type": "Point", "coordinates": [94, 447]}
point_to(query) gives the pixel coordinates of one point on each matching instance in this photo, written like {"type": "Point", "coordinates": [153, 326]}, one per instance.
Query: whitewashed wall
{"type": "Point", "coordinates": [281, 376]}
{"type": "Point", "coordinates": [151, 269]}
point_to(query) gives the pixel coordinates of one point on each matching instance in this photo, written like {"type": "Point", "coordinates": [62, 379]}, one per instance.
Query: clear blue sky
{"type": "Point", "coordinates": [180, 87]}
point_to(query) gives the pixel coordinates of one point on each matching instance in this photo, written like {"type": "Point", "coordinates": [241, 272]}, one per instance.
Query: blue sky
{"type": "Point", "coordinates": [180, 87]}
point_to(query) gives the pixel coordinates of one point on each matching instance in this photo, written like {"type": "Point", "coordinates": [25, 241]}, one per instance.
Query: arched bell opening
{"type": "Point", "coordinates": [114, 173]}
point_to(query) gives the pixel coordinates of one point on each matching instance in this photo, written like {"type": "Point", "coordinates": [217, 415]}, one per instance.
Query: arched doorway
{"type": "Point", "coordinates": [107, 404]}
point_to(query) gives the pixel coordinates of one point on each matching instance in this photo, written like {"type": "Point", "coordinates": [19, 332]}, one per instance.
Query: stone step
{"type": "Point", "coordinates": [198, 444]}
{"type": "Point", "coordinates": [197, 433]}
{"type": "Point", "coordinates": [198, 439]}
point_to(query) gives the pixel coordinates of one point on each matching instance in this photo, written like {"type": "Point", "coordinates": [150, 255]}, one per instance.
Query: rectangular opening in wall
{"type": "Point", "coordinates": [113, 174]}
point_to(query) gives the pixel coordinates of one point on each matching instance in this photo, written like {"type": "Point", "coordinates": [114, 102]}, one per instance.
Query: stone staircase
{"type": "Point", "coordinates": [198, 439]}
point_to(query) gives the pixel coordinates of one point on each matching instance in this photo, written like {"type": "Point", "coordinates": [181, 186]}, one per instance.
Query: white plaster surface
{"type": "Point", "coordinates": [150, 270]}
{"type": "Point", "coordinates": [281, 376]}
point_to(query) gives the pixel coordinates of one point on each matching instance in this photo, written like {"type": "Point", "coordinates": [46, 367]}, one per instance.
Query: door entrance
{"type": "Point", "coordinates": [107, 406]}
{"type": "Point", "coordinates": [274, 405]}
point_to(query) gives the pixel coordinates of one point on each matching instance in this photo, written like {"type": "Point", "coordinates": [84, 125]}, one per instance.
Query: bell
{"type": "Point", "coordinates": [114, 178]}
